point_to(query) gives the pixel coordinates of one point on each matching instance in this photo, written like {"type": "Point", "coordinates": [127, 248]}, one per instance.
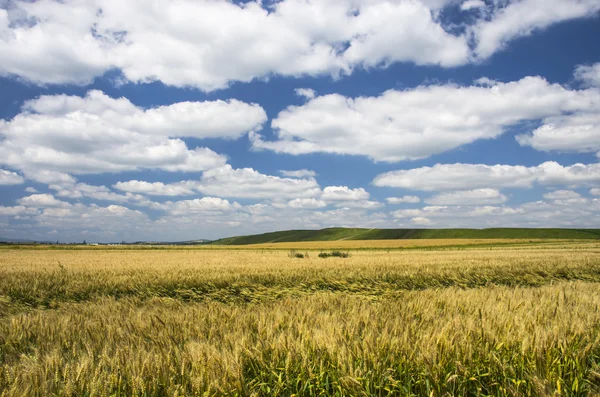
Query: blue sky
{"type": "Point", "coordinates": [203, 119]}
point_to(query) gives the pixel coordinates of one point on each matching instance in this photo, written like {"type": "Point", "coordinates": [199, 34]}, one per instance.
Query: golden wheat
{"type": "Point", "coordinates": [502, 321]}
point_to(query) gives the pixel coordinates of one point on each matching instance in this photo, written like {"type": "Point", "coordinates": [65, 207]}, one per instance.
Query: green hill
{"type": "Point", "coordinates": [333, 234]}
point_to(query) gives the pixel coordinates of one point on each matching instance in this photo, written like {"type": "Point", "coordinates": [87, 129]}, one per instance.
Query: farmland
{"type": "Point", "coordinates": [342, 233]}
{"type": "Point", "coordinates": [410, 317]}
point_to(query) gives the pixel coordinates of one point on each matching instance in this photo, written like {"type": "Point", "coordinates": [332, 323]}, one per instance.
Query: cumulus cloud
{"type": "Point", "coordinates": [514, 19]}
{"type": "Point", "coordinates": [223, 41]}
{"type": "Point", "coordinates": [50, 177]}
{"type": "Point", "coordinates": [595, 192]}
{"type": "Point", "coordinates": [303, 173]}
{"type": "Point", "coordinates": [96, 133]}
{"type": "Point", "coordinates": [579, 132]}
{"type": "Point", "coordinates": [344, 193]}
{"type": "Point", "coordinates": [42, 201]}
{"type": "Point", "coordinates": [571, 212]}
{"type": "Point", "coordinates": [472, 176]}
{"type": "Point", "coordinates": [472, 4]}
{"type": "Point", "coordinates": [10, 178]}
{"type": "Point", "coordinates": [66, 186]}
{"type": "Point", "coordinates": [307, 93]}
{"type": "Point", "coordinates": [231, 41]}
{"type": "Point", "coordinates": [365, 204]}
{"type": "Point", "coordinates": [552, 173]}
{"type": "Point", "coordinates": [155, 188]}
{"type": "Point", "coordinates": [226, 181]}
{"type": "Point", "coordinates": [102, 193]}
{"type": "Point", "coordinates": [589, 74]}
{"type": "Point", "coordinates": [411, 213]}
{"type": "Point", "coordinates": [110, 223]}
{"type": "Point", "coordinates": [399, 32]}
{"type": "Point", "coordinates": [212, 217]}
{"type": "Point", "coordinates": [419, 122]}
{"type": "Point", "coordinates": [468, 197]}
{"type": "Point", "coordinates": [307, 203]}
{"type": "Point", "coordinates": [561, 195]}
{"type": "Point", "coordinates": [17, 210]}
{"type": "Point", "coordinates": [201, 205]}
{"type": "Point", "coordinates": [403, 199]}
{"type": "Point", "coordinates": [42, 215]}
{"type": "Point", "coordinates": [248, 183]}
{"type": "Point", "coordinates": [422, 221]}
{"type": "Point", "coordinates": [338, 196]}
{"type": "Point", "coordinates": [565, 197]}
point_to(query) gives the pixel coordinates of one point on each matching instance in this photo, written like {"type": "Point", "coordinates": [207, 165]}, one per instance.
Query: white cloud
{"type": "Point", "coordinates": [468, 197]}
{"type": "Point", "coordinates": [589, 74]}
{"type": "Point", "coordinates": [248, 183]}
{"type": "Point", "coordinates": [561, 195]}
{"type": "Point", "coordinates": [80, 190]}
{"type": "Point", "coordinates": [221, 43]}
{"type": "Point", "coordinates": [41, 216]}
{"type": "Point", "coordinates": [202, 205]}
{"type": "Point", "coordinates": [571, 201]}
{"type": "Point", "coordinates": [263, 217]}
{"type": "Point", "coordinates": [211, 217]}
{"type": "Point", "coordinates": [307, 203]}
{"type": "Point", "coordinates": [210, 44]}
{"type": "Point", "coordinates": [80, 220]}
{"type": "Point", "coordinates": [406, 213]}
{"type": "Point", "coordinates": [471, 176]}
{"type": "Point", "coordinates": [552, 173]}
{"type": "Point", "coordinates": [96, 133]}
{"type": "Point", "coordinates": [344, 193]}
{"type": "Point", "coordinates": [16, 211]}
{"type": "Point", "coordinates": [303, 173]}
{"type": "Point", "coordinates": [595, 192]}
{"type": "Point", "coordinates": [365, 204]}
{"type": "Point", "coordinates": [340, 197]}
{"type": "Point", "coordinates": [10, 178]}
{"type": "Point", "coordinates": [422, 221]}
{"type": "Point", "coordinates": [210, 119]}
{"type": "Point", "coordinates": [49, 177]}
{"type": "Point", "coordinates": [402, 31]}
{"type": "Point", "coordinates": [579, 132]}
{"type": "Point", "coordinates": [76, 58]}
{"type": "Point", "coordinates": [67, 186]}
{"type": "Point", "coordinates": [574, 213]}
{"type": "Point", "coordinates": [307, 93]}
{"type": "Point", "coordinates": [445, 215]}
{"type": "Point", "coordinates": [457, 176]}
{"type": "Point", "coordinates": [42, 201]}
{"type": "Point", "coordinates": [155, 188]}
{"type": "Point", "coordinates": [420, 122]}
{"type": "Point", "coordinates": [226, 181]}
{"type": "Point", "coordinates": [514, 19]}
{"type": "Point", "coordinates": [403, 199]}
{"type": "Point", "coordinates": [472, 4]}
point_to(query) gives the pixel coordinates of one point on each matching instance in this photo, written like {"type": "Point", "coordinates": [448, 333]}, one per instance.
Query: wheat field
{"type": "Point", "coordinates": [498, 319]}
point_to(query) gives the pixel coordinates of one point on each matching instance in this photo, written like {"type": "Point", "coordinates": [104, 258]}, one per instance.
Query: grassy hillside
{"type": "Point", "coordinates": [335, 234]}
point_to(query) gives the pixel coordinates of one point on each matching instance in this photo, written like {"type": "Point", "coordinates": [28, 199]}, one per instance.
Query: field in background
{"type": "Point", "coordinates": [442, 318]}
{"type": "Point", "coordinates": [417, 244]}
{"type": "Point", "coordinates": [341, 233]}
{"type": "Point", "coordinates": [398, 244]}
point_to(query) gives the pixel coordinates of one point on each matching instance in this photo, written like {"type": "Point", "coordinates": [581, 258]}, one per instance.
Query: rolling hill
{"type": "Point", "coordinates": [335, 234]}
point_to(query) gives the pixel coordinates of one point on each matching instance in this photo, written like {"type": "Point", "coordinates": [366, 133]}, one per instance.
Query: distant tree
{"type": "Point", "coordinates": [84, 243]}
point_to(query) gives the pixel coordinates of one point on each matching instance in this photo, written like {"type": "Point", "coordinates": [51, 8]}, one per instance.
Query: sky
{"type": "Point", "coordinates": [177, 120]}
